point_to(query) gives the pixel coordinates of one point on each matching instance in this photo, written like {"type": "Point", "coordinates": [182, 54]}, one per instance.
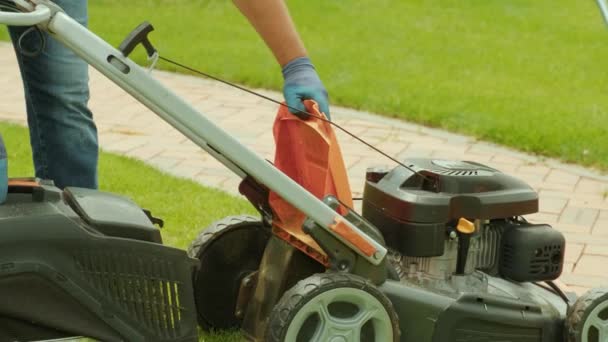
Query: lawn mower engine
{"type": "Point", "coordinates": [463, 254]}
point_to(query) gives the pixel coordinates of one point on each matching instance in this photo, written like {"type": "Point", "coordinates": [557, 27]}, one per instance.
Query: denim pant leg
{"type": "Point", "coordinates": [62, 132]}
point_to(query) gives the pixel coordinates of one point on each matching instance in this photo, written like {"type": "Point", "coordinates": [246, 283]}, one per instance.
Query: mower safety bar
{"type": "Point", "coordinates": [194, 125]}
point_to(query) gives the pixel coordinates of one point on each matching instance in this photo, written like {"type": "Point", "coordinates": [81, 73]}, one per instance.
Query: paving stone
{"type": "Point", "coordinates": [392, 148]}
{"type": "Point", "coordinates": [210, 180]}
{"type": "Point", "coordinates": [577, 199]}
{"type": "Point", "coordinates": [597, 250]}
{"type": "Point", "coordinates": [586, 238]}
{"type": "Point", "coordinates": [365, 124]}
{"type": "Point", "coordinates": [109, 138]}
{"type": "Point", "coordinates": [542, 217]}
{"type": "Point", "coordinates": [562, 177]}
{"type": "Point", "coordinates": [594, 265]}
{"type": "Point", "coordinates": [506, 159]}
{"type": "Point", "coordinates": [528, 178]}
{"type": "Point", "coordinates": [573, 252]}
{"type": "Point", "coordinates": [231, 185]}
{"type": "Point", "coordinates": [589, 203]}
{"type": "Point", "coordinates": [186, 171]}
{"type": "Point", "coordinates": [164, 164]}
{"type": "Point", "coordinates": [585, 281]}
{"type": "Point", "coordinates": [19, 120]}
{"type": "Point", "coordinates": [554, 205]}
{"type": "Point", "coordinates": [535, 169]}
{"type": "Point", "coordinates": [353, 129]}
{"type": "Point", "coordinates": [600, 228]}
{"type": "Point", "coordinates": [179, 154]}
{"type": "Point", "coordinates": [579, 216]}
{"type": "Point", "coordinates": [144, 153]}
{"type": "Point", "coordinates": [568, 267]}
{"type": "Point", "coordinates": [484, 148]}
{"type": "Point", "coordinates": [592, 186]}
{"type": "Point", "coordinates": [572, 228]}
{"type": "Point", "coordinates": [551, 186]}
{"type": "Point", "coordinates": [125, 145]}
{"type": "Point", "coordinates": [544, 193]}
{"type": "Point", "coordinates": [414, 152]}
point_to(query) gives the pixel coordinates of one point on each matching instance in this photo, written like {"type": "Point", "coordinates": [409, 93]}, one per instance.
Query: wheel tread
{"type": "Point", "coordinates": [206, 237]}
{"type": "Point", "coordinates": [295, 297]}
{"type": "Point", "coordinates": [216, 228]}
{"type": "Point", "coordinates": [577, 313]}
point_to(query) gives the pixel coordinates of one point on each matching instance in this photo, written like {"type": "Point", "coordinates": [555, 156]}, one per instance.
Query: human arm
{"type": "Point", "coordinates": [272, 21]}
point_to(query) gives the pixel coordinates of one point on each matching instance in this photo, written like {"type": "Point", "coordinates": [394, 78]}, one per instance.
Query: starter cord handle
{"type": "Point", "coordinates": [136, 37]}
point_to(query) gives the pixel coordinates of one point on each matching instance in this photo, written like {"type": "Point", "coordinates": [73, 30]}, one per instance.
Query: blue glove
{"type": "Point", "coordinates": [302, 83]}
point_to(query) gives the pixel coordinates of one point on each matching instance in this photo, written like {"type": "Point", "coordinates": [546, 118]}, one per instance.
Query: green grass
{"type": "Point", "coordinates": [529, 74]}
{"type": "Point", "coordinates": [186, 206]}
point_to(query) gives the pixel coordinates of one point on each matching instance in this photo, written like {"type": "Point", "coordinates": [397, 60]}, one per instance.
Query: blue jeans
{"type": "Point", "coordinates": [62, 132]}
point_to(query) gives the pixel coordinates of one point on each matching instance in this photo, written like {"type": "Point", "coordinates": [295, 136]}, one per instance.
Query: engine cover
{"type": "Point", "coordinates": [412, 209]}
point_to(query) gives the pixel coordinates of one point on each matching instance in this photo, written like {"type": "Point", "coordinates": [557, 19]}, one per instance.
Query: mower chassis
{"type": "Point", "coordinates": [509, 312]}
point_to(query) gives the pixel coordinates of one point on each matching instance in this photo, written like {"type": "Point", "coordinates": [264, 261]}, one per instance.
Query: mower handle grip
{"type": "Point", "coordinates": [39, 15]}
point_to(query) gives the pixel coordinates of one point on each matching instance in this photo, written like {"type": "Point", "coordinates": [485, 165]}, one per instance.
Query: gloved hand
{"type": "Point", "coordinates": [301, 83]}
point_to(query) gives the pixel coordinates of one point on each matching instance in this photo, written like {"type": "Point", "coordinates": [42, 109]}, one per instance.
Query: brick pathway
{"type": "Point", "coordinates": [573, 199]}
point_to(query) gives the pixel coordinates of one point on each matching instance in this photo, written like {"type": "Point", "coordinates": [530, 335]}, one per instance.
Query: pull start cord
{"type": "Point", "coordinates": [170, 61]}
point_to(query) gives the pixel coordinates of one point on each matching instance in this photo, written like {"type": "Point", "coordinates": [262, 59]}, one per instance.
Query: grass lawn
{"type": "Point", "coordinates": [185, 206]}
{"type": "Point", "coordinates": [528, 74]}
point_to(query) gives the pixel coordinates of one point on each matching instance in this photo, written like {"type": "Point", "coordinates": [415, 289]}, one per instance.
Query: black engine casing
{"type": "Point", "coordinates": [413, 209]}
{"type": "Point", "coordinates": [532, 252]}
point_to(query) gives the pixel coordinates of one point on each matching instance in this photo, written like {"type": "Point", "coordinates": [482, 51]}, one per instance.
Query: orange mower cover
{"type": "Point", "coordinates": [308, 152]}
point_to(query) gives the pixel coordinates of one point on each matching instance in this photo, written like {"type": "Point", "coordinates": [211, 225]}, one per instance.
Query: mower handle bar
{"type": "Point", "coordinates": [604, 9]}
{"type": "Point", "coordinates": [189, 121]}
{"type": "Point", "coordinates": [39, 15]}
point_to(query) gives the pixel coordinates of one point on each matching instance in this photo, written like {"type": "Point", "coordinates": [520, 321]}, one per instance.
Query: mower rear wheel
{"type": "Point", "coordinates": [588, 318]}
{"type": "Point", "coordinates": [228, 251]}
{"type": "Point", "coordinates": [333, 307]}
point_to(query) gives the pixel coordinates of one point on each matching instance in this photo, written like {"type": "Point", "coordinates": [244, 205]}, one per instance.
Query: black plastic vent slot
{"type": "Point", "coordinates": [458, 173]}
{"type": "Point", "coordinates": [145, 289]}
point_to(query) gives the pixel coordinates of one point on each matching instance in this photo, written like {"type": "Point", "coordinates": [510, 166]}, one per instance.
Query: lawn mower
{"type": "Point", "coordinates": [440, 252]}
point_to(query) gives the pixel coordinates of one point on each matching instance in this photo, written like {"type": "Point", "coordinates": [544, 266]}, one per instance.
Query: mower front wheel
{"type": "Point", "coordinates": [588, 318]}
{"type": "Point", "coordinates": [337, 307]}
{"type": "Point", "coordinates": [228, 250]}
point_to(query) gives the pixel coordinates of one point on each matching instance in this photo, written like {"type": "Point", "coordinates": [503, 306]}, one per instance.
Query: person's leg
{"type": "Point", "coordinates": [62, 132]}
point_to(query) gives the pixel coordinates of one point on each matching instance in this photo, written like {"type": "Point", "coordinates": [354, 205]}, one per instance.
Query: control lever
{"type": "Point", "coordinates": [465, 229]}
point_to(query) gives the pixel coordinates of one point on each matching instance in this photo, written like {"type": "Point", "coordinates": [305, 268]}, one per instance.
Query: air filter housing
{"type": "Point", "coordinates": [532, 252]}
